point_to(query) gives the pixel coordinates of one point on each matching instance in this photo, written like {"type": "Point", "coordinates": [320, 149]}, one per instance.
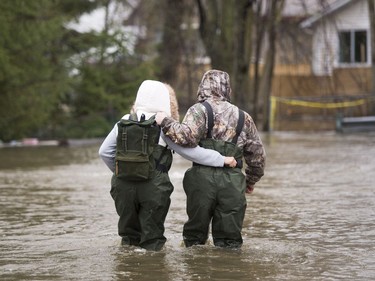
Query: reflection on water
{"type": "Point", "coordinates": [312, 217]}
{"type": "Point", "coordinates": [43, 156]}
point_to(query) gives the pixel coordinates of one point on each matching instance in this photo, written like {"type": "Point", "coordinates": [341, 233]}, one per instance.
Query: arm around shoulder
{"type": "Point", "coordinates": [189, 132]}
{"type": "Point", "coordinates": [200, 155]}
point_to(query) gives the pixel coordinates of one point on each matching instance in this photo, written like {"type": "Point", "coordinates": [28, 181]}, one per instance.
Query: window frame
{"type": "Point", "coordinates": [352, 50]}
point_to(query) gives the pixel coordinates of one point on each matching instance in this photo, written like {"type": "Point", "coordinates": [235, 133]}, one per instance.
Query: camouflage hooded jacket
{"type": "Point", "coordinates": [215, 88]}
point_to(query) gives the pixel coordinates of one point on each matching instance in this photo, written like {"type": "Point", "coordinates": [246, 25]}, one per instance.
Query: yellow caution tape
{"type": "Point", "coordinates": [318, 104]}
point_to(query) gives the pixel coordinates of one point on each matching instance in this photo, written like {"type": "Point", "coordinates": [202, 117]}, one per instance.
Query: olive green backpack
{"type": "Point", "coordinates": [136, 141]}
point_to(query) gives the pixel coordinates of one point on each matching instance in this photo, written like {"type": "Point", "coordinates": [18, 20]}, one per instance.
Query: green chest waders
{"type": "Point", "coordinates": [216, 195]}
{"type": "Point", "coordinates": [142, 206]}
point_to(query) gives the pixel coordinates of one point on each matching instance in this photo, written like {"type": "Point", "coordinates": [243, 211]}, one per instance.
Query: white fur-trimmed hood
{"type": "Point", "coordinates": [152, 97]}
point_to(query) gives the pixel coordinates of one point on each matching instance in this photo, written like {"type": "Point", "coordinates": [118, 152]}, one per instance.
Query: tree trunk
{"type": "Point", "coordinates": [242, 54]}
{"type": "Point", "coordinates": [266, 83]}
{"type": "Point", "coordinates": [216, 22]}
{"type": "Point", "coordinates": [171, 46]}
{"type": "Point", "coordinates": [225, 29]}
{"type": "Point", "coordinates": [259, 37]}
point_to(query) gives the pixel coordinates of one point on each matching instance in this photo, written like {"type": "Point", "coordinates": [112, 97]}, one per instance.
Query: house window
{"type": "Point", "coordinates": [353, 46]}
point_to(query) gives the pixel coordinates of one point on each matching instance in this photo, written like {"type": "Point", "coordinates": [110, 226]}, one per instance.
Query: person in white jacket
{"type": "Point", "coordinates": [143, 206]}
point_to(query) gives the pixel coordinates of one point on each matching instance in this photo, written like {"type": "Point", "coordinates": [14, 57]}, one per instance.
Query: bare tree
{"type": "Point", "coordinates": [260, 29]}
{"type": "Point", "coordinates": [225, 29]}
{"type": "Point", "coordinates": [272, 15]}
{"type": "Point", "coordinates": [170, 49]}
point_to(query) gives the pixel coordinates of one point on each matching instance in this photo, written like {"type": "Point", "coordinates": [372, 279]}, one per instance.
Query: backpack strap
{"type": "Point", "coordinates": [210, 115]}
{"type": "Point", "coordinates": [240, 123]}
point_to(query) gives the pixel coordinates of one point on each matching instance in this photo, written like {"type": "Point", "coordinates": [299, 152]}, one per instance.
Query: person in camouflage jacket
{"type": "Point", "coordinates": [215, 89]}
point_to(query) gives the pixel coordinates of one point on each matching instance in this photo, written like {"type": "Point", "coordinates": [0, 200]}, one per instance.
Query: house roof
{"type": "Point", "coordinates": [302, 8]}
{"type": "Point", "coordinates": [334, 7]}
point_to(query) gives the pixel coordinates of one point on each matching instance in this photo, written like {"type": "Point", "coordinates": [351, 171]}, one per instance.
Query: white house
{"type": "Point", "coordinates": [341, 36]}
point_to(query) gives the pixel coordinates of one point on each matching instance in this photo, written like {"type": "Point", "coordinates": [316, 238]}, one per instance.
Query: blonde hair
{"type": "Point", "coordinates": [173, 102]}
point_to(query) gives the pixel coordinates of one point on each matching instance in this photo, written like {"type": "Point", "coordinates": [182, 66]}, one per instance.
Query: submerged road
{"type": "Point", "coordinates": [312, 217]}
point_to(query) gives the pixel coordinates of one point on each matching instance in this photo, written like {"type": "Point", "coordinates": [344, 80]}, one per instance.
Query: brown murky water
{"type": "Point", "coordinates": [312, 217]}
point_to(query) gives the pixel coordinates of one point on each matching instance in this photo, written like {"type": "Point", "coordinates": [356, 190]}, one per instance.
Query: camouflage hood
{"type": "Point", "coordinates": [215, 85]}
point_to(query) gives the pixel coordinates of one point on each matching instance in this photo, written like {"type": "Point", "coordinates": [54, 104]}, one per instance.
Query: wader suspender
{"type": "Point", "coordinates": [210, 125]}
{"type": "Point", "coordinates": [160, 167]}
{"type": "Point", "coordinates": [210, 122]}
{"type": "Point", "coordinates": [240, 123]}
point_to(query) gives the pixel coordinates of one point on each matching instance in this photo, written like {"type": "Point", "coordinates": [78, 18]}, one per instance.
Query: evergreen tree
{"type": "Point", "coordinates": [58, 82]}
{"type": "Point", "coordinates": [108, 77]}
{"type": "Point", "coordinates": [33, 74]}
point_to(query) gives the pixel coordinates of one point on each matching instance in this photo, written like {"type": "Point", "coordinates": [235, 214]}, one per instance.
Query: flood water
{"type": "Point", "coordinates": [312, 217]}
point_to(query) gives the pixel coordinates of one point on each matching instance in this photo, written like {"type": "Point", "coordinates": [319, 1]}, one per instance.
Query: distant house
{"type": "Point", "coordinates": [323, 65]}
{"type": "Point", "coordinates": [341, 36]}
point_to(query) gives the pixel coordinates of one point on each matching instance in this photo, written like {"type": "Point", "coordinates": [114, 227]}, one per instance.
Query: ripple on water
{"type": "Point", "coordinates": [310, 218]}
